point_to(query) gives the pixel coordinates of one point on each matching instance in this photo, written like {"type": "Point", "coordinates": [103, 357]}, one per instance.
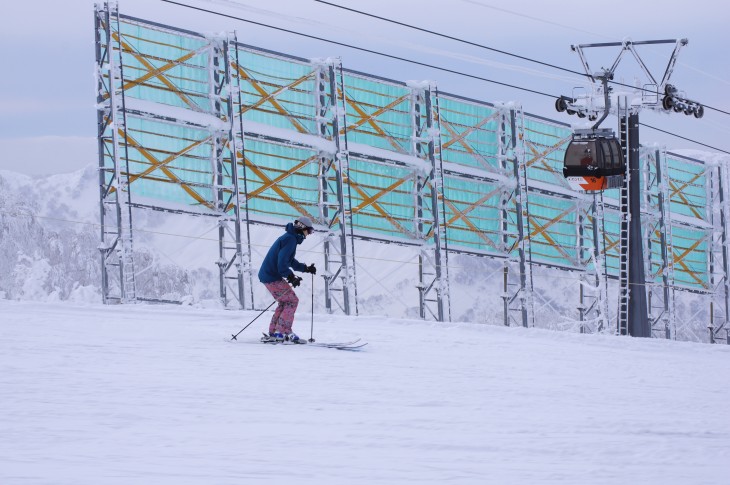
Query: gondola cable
{"type": "Point", "coordinates": [507, 53]}
{"type": "Point", "coordinates": [452, 71]}
{"type": "Point", "coordinates": [363, 49]}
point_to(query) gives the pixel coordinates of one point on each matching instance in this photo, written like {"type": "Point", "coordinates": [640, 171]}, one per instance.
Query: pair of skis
{"type": "Point", "coordinates": [353, 345]}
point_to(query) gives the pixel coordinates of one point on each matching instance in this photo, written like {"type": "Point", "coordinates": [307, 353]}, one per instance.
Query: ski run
{"type": "Point", "coordinates": [142, 394]}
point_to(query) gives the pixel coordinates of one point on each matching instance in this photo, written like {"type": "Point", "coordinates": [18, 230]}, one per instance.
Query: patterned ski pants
{"type": "Point", "coordinates": [283, 318]}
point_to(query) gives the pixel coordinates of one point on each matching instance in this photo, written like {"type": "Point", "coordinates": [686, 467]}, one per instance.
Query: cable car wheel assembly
{"type": "Point", "coordinates": [594, 159]}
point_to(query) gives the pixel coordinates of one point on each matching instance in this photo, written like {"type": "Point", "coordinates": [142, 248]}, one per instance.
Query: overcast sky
{"type": "Point", "coordinates": [48, 118]}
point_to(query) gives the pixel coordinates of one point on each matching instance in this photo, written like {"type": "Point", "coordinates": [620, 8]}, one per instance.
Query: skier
{"type": "Point", "coordinates": [276, 274]}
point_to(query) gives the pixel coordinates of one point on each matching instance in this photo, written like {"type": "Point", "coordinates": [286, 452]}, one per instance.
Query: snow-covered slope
{"type": "Point", "coordinates": [47, 236]}
{"type": "Point", "coordinates": [159, 395]}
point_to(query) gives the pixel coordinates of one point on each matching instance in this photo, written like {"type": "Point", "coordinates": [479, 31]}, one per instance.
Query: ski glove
{"type": "Point", "coordinates": [294, 280]}
{"type": "Point", "coordinates": [311, 269]}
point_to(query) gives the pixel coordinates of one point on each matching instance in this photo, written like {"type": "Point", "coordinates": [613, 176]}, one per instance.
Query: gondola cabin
{"type": "Point", "coordinates": [594, 161]}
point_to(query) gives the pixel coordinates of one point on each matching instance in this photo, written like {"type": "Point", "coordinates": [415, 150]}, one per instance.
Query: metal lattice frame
{"type": "Point", "coordinates": [117, 140]}
{"type": "Point", "coordinates": [517, 295]}
{"type": "Point", "coordinates": [593, 305]}
{"type": "Point", "coordinates": [718, 254]}
{"type": "Point", "coordinates": [432, 261]}
{"type": "Point", "coordinates": [335, 208]}
{"type": "Point", "coordinates": [234, 244]}
{"type": "Point", "coordinates": [667, 263]}
{"type": "Point", "coordinates": [117, 257]}
{"type": "Point", "coordinates": [655, 226]}
{"type": "Point", "coordinates": [377, 160]}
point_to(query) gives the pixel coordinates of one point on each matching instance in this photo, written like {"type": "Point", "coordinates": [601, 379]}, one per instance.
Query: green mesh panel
{"type": "Point", "coordinates": [388, 212]}
{"type": "Point", "coordinates": [469, 133]}
{"type": "Point", "coordinates": [166, 67]}
{"type": "Point", "coordinates": [690, 253]}
{"type": "Point", "coordinates": [172, 161]}
{"type": "Point", "coordinates": [472, 215]}
{"type": "Point", "coordinates": [545, 145]}
{"type": "Point", "coordinates": [378, 113]}
{"type": "Point", "coordinates": [551, 227]}
{"type": "Point", "coordinates": [687, 187]}
{"type": "Point", "coordinates": [687, 190]}
{"type": "Point", "coordinates": [276, 91]}
{"type": "Point", "coordinates": [279, 179]}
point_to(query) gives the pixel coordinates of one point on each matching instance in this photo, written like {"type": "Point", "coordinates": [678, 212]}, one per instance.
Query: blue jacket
{"type": "Point", "coordinates": [280, 257]}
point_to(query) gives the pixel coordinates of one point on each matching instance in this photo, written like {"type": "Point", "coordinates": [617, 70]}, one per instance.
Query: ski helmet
{"type": "Point", "coordinates": [304, 221]}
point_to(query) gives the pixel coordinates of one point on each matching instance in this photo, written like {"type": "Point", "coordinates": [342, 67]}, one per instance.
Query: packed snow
{"type": "Point", "coordinates": [160, 394]}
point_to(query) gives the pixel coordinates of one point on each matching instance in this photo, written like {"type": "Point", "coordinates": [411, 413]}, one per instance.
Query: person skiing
{"type": "Point", "coordinates": [276, 274]}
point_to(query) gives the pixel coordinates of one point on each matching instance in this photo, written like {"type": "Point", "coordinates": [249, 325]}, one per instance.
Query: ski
{"type": "Point", "coordinates": [352, 345]}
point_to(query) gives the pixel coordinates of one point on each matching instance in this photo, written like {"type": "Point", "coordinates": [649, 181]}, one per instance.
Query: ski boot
{"type": "Point", "coordinates": [293, 338]}
{"type": "Point", "coordinates": [273, 337]}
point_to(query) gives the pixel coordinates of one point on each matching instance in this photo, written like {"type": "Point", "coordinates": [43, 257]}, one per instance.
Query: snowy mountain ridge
{"type": "Point", "coordinates": [49, 235]}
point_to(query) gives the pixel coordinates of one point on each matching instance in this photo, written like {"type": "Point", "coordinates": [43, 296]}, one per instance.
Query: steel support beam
{"type": "Point", "coordinates": [592, 303]}
{"type": "Point", "coordinates": [335, 201]}
{"type": "Point", "coordinates": [117, 256]}
{"type": "Point", "coordinates": [665, 317]}
{"type": "Point", "coordinates": [718, 199]}
{"type": "Point", "coordinates": [234, 251]}
{"type": "Point", "coordinates": [433, 289]}
{"type": "Point", "coordinates": [516, 291]}
{"type": "Point", "coordinates": [638, 320]}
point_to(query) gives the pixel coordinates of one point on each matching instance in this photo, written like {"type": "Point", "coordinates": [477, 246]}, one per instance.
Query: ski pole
{"type": "Point", "coordinates": [311, 330]}
{"type": "Point", "coordinates": [249, 323]}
